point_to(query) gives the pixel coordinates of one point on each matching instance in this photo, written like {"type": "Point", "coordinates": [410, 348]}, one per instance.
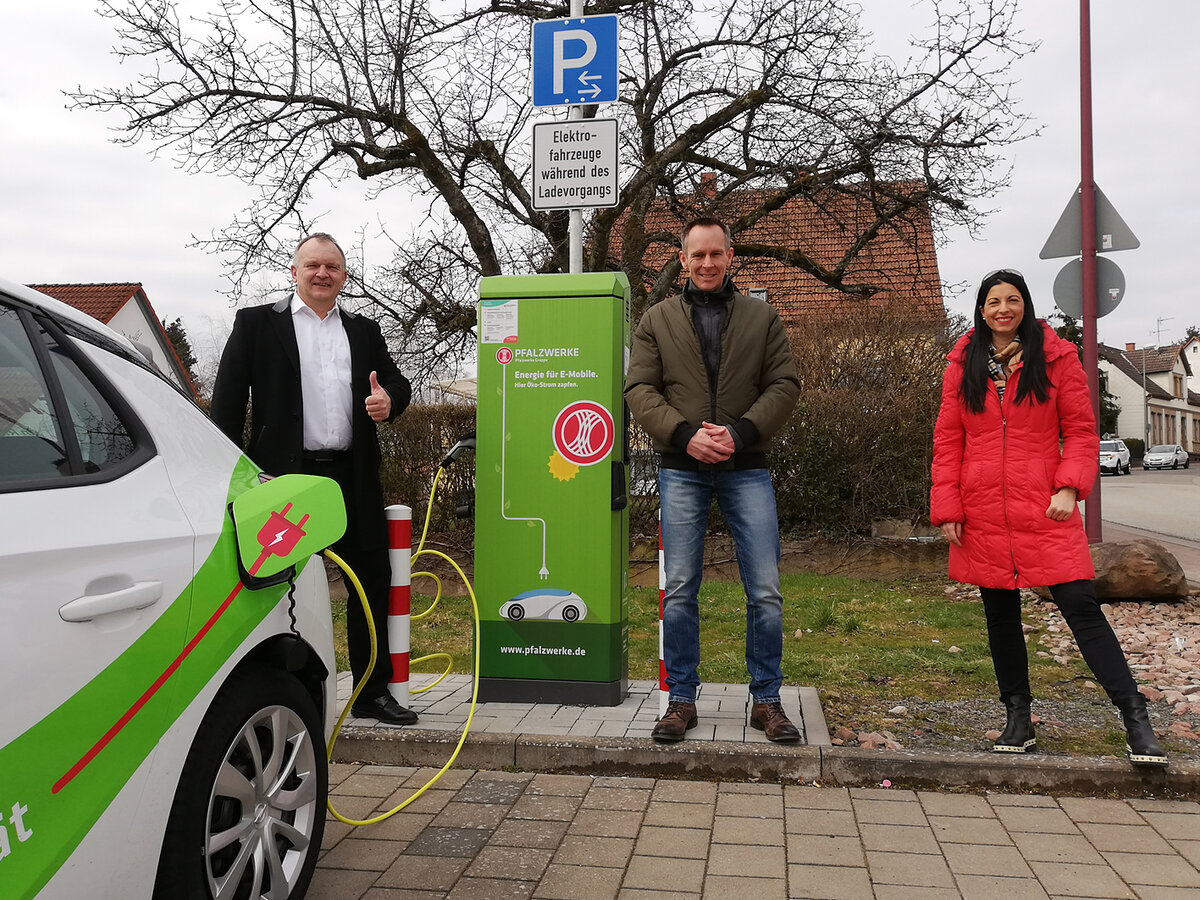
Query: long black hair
{"type": "Point", "coordinates": [1033, 378]}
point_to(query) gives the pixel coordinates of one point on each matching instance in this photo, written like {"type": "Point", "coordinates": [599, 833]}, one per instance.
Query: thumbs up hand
{"type": "Point", "coordinates": [379, 403]}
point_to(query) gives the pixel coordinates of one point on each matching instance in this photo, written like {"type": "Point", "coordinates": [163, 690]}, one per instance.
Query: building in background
{"type": "Point", "coordinates": [897, 261]}
{"type": "Point", "coordinates": [126, 309]}
{"type": "Point", "coordinates": [1152, 386]}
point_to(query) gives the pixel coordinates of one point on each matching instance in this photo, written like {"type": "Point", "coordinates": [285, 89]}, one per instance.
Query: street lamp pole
{"type": "Point", "coordinates": [1145, 407]}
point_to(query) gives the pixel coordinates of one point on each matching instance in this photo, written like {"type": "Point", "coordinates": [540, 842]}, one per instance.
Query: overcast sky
{"type": "Point", "coordinates": [78, 208]}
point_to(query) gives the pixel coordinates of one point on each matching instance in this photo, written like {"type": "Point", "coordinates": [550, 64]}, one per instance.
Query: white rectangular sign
{"type": "Point", "coordinates": [575, 164]}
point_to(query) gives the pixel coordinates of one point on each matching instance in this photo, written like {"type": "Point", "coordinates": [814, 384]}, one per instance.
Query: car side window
{"type": "Point", "coordinates": [31, 440]}
{"type": "Point", "coordinates": [53, 424]}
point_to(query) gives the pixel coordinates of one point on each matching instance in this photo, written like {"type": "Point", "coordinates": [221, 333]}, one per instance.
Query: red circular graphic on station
{"type": "Point", "coordinates": [584, 433]}
{"type": "Point", "coordinates": [504, 356]}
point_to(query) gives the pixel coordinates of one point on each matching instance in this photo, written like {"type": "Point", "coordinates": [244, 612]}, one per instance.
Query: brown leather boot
{"type": "Point", "coordinates": [680, 716]}
{"type": "Point", "coordinates": [771, 719]}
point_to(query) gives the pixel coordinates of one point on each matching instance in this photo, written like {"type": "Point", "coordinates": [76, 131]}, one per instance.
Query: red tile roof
{"type": "Point", "coordinates": [1125, 361]}
{"type": "Point", "coordinates": [1158, 359]}
{"type": "Point", "coordinates": [101, 301]}
{"type": "Point", "coordinates": [900, 260]}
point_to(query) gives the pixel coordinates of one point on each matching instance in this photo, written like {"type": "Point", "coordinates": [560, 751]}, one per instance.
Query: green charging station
{"type": "Point", "coordinates": [551, 489]}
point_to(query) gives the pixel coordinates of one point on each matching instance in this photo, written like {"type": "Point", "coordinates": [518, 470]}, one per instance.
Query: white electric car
{"type": "Point", "coordinates": [166, 690]}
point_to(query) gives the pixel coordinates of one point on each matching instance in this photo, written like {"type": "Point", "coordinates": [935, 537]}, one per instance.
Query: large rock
{"type": "Point", "coordinates": [1137, 570]}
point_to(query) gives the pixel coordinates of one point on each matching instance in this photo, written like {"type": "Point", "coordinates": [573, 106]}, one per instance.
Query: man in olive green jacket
{"type": "Point", "coordinates": [711, 379]}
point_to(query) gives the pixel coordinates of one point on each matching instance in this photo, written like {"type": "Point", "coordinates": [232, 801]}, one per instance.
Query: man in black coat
{"type": "Point", "coordinates": [318, 379]}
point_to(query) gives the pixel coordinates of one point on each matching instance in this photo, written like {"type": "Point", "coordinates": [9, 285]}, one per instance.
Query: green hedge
{"type": "Point", "coordinates": [413, 446]}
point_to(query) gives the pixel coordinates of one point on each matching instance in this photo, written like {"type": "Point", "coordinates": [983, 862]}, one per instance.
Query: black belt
{"type": "Point", "coordinates": [326, 456]}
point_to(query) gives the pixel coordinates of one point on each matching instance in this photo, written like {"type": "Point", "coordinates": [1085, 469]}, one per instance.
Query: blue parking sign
{"type": "Point", "coordinates": [575, 61]}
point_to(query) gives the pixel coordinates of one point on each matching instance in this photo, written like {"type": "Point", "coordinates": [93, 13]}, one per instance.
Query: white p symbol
{"type": "Point", "coordinates": [577, 62]}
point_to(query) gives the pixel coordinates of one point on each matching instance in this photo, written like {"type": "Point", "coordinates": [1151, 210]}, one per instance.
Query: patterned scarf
{"type": "Point", "coordinates": [1002, 363]}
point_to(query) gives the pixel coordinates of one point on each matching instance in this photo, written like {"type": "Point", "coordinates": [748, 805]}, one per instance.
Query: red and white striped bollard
{"type": "Point", "coordinates": [399, 520]}
{"type": "Point", "coordinates": [663, 691]}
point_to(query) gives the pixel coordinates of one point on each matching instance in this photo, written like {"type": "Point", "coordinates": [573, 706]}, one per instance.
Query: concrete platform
{"type": "Point", "coordinates": [615, 741]}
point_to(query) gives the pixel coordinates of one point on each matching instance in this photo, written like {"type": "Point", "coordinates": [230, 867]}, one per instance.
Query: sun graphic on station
{"type": "Point", "coordinates": [561, 468]}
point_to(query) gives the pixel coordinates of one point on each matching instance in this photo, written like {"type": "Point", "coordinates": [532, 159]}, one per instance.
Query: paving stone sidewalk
{"type": "Point", "coordinates": [723, 709]}
{"type": "Point", "coordinates": [495, 834]}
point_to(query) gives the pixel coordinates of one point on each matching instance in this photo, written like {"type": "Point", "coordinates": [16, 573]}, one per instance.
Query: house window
{"type": "Point", "coordinates": [1177, 385]}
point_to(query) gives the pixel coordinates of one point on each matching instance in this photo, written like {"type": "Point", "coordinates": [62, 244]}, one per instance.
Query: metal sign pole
{"type": "Point", "coordinates": [1088, 233]}
{"type": "Point", "coordinates": [575, 222]}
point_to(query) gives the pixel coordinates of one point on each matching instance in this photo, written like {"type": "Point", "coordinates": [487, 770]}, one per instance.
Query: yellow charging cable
{"type": "Point", "coordinates": [362, 597]}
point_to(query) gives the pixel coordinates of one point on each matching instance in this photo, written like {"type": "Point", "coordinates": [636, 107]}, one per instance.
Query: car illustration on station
{"type": "Point", "coordinates": [545, 603]}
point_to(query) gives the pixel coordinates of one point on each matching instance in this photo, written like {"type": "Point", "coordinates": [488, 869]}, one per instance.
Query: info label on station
{"type": "Point", "coordinates": [575, 164]}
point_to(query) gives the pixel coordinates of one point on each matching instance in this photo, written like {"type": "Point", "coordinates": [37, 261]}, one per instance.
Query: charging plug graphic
{"type": "Point", "coordinates": [278, 536]}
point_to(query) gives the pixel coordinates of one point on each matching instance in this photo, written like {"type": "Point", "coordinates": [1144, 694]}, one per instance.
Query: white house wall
{"type": "Point", "coordinates": [1129, 398]}
{"type": "Point", "coordinates": [132, 321]}
{"type": "Point", "coordinates": [1128, 393]}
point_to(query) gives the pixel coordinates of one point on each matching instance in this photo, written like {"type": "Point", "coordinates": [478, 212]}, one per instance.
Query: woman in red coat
{"type": "Point", "coordinates": [1004, 495]}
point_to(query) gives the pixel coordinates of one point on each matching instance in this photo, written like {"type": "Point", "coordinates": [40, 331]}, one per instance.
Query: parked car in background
{"type": "Point", "coordinates": [167, 691]}
{"type": "Point", "coordinates": [1114, 458]}
{"type": "Point", "coordinates": [1165, 456]}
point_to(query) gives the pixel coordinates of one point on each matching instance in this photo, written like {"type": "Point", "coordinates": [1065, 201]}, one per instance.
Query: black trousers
{"type": "Point", "coordinates": [366, 553]}
{"type": "Point", "coordinates": [1076, 600]}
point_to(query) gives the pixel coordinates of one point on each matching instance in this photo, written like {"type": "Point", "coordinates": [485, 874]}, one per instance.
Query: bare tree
{"type": "Point", "coordinates": [432, 103]}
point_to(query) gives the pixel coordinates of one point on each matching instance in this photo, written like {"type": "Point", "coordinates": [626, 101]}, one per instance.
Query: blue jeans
{"type": "Point", "coordinates": [747, 501]}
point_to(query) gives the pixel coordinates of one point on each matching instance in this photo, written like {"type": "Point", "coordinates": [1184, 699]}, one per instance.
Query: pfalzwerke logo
{"type": "Point", "coordinates": [583, 435]}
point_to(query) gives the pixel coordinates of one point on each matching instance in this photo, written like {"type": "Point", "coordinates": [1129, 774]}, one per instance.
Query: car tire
{"type": "Point", "coordinates": [516, 612]}
{"type": "Point", "coordinates": [1128, 469]}
{"type": "Point", "coordinates": [570, 613]}
{"type": "Point", "coordinates": [261, 738]}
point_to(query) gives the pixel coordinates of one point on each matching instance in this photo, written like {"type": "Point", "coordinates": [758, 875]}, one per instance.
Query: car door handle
{"type": "Point", "coordinates": [136, 596]}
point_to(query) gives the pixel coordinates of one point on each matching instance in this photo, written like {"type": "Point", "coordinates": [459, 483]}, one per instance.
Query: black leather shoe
{"type": "Point", "coordinates": [1141, 746]}
{"type": "Point", "coordinates": [1018, 735]}
{"type": "Point", "coordinates": [385, 709]}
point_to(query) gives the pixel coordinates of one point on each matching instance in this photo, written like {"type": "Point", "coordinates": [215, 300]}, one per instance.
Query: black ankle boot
{"type": "Point", "coordinates": [1018, 736]}
{"type": "Point", "coordinates": [1141, 746]}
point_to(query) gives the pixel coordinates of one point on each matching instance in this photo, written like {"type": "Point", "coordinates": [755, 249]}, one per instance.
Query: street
{"type": "Point", "coordinates": [1164, 501]}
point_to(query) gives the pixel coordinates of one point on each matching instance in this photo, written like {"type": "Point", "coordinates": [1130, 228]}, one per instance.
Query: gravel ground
{"type": "Point", "coordinates": [1162, 644]}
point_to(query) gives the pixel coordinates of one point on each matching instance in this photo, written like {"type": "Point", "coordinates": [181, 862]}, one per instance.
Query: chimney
{"type": "Point", "coordinates": [708, 185]}
{"type": "Point", "coordinates": [1129, 348]}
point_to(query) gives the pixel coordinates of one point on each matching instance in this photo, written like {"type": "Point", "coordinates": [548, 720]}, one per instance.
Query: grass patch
{"type": "Point", "coordinates": [869, 637]}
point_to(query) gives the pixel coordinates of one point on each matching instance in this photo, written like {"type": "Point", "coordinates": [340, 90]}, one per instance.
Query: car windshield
{"type": "Point", "coordinates": [1110, 446]}
{"type": "Point", "coordinates": [1162, 448]}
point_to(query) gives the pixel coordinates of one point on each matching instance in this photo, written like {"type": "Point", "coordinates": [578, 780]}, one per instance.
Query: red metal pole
{"type": "Point", "coordinates": [1088, 250]}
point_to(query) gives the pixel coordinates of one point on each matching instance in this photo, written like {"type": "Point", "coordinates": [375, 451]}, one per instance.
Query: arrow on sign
{"type": "Point", "coordinates": [594, 89]}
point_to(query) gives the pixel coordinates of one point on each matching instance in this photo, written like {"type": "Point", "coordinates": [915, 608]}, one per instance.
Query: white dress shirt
{"type": "Point", "coordinates": [324, 377]}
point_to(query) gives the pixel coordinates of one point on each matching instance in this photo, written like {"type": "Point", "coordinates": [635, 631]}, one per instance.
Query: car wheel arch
{"type": "Point", "coordinates": [291, 654]}
{"type": "Point", "coordinates": [235, 696]}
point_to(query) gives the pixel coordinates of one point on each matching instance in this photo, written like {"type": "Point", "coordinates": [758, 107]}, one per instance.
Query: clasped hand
{"type": "Point", "coordinates": [711, 444]}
